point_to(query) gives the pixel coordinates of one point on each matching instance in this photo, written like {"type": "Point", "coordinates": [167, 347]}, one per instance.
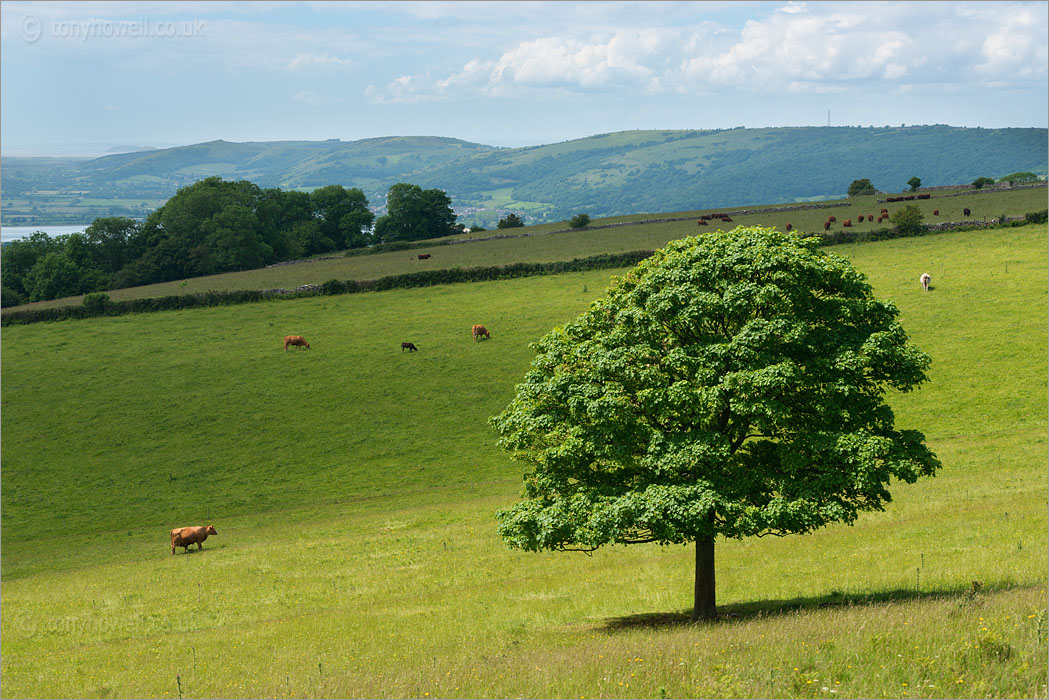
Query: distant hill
{"type": "Point", "coordinates": [130, 149]}
{"type": "Point", "coordinates": [603, 175]}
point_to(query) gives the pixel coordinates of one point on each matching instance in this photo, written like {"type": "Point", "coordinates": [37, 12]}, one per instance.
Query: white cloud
{"type": "Point", "coordinates": [1016, 45]}
{"type": "Point", "coordinates": [797, 47]}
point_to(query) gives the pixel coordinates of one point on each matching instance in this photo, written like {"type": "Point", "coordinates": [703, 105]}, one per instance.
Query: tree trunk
{"type": "Point", "coordinates": [704, 608]}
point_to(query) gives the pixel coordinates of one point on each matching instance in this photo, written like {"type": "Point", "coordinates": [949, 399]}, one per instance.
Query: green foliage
{"type": "Point", "coordinates": [97, 302]}
{"type": "Point", "coordinates": [1037, 217]}
{"type": "Point", "coordinates": [20, 256]}
{"type": "Point", "coordinates": [979, 182]}
{"type": "Point", "coordinates": [908, 220]}
{"type": "Point", "coordinates": [54, 275]}
{"type": "Point", "coordinates": [209, 227]}
{"type": "Point", "coordinates": [343, 216]}
{"type": "Point", "coordinates": [580, 221]}
{"type": "Point", "coordinates": [382, 505]}
{"type": "Point", "coordinates": [1019, 177]}
{"type": "Point", "coordinates": [608, 174]}
{"type": "Point", "coordinates": [415, 214]}
{"type": "Point", "coordinates": [424, 278]}
{"type": "Point", "coordinates": [732, 384]}
{"type": "Point", "coordinates": [111, 241]}
{"type": "Point", "coordinates": [914, 183]}
{"type": "Point", "coordinates": [859, 188]}
{"type": "Point", "coordinates": [10, 297]}
{"type": "Point", "coordinates": [511, 220]}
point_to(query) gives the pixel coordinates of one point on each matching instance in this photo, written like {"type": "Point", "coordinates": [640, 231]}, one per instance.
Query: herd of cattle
{"type": "Point", "coordinates": [185, 536]}
{"type": "Point", "coordinates": [478, 332]}
{"type": "Point", "coordinates": [831, 220]}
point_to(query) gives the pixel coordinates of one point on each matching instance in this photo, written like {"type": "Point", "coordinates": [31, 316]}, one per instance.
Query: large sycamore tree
{"type": "Point", "coordinates": [733, 384]}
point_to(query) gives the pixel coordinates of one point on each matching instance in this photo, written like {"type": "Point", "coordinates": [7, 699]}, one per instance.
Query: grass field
{"type": "Point", "coordinates": [354, 488]}
{"type": "Point", "coordinates": [565, 246]}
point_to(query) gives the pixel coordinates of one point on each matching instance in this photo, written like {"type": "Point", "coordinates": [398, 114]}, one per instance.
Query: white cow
{"type": "Point", "coordinates": [925, 281]}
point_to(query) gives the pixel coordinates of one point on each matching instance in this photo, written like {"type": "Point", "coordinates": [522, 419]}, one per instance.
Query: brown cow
{"type": "Point", "coordinates": [410, 347]}
{"type": "Point", "coordinates": [296, 340]}
{"type": "Point", "coordinates": [478, 331]}
{"type": "Point", "coordinates": [935, 212]}
{"type": "Point", "coordinates": [789, 227]}
{"type": "Point", "coordinates": [966, 211]}
{"type": "Point", "coordinates": [185, 536]}
{"type": "Point", "coordinates": [826, 226]}
{"type": "Point", "coordinates": [832, 219]}
{"type": "Point", "coordinates": [701, 222]}
{"type": "Point", "coordinates": [847, 223]}
{"type": "Point", "coordinates": [727, 219]}
{"type": "Point", "coordinates": [424, 256]}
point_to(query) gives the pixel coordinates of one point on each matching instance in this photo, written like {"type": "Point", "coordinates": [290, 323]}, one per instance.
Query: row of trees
{"type": "Point", "coordinates": [216, 226]}
{"type": "Point", "coordinates": [864, 186]}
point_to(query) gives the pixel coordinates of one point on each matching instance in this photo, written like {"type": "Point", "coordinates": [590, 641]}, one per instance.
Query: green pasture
{"type": "Point", "coordinates": [566, 245]}
{"type": "Point", "coordinates": [354, 486]}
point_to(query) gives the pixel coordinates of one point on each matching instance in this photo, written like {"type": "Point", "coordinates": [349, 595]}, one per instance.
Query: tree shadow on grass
{"type": "Point", "coordinates": [736, 612]}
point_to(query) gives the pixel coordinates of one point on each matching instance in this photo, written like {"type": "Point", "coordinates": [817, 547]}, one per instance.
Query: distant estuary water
{"type": "Point", "coordinates": [14, 233]}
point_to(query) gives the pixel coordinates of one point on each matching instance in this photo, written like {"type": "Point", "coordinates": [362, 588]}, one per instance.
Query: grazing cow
{"type": "Point", "coordinates": [884, 211]}
{"type": "Point", "coordinates": [935, 212]}
{"type": "Point", "coordinates": [296, 340]}
{"type": "Point", "coordinates": [832, 219]}
{"type": "Point", "coordinates": [185, 536]}
{"type": "Point", "coordinates": [925, 281]}
{"type": "Point", "coordinates": [879, 219]}
{"type": "Point", "coordinates": [410, 347]}
{"type": "Point", "coordinates": [847, 223]}
{"type": "Point", "coordinates": [702, 222]}
{"type": "Point", "coordinates": [826, 226]}
{"type": "Point", "coordinates": [966, 211]}
{"type": "Point", "coordinates": [424, 256]}
{"type": "Point", "coordinates": [789, 227]}
{"type": "Point", "coordinates": [925, 196]}
{"type": "Point", "coordinates": [478, 331]}
{"type": "Point", "coordinates": [726, 219]}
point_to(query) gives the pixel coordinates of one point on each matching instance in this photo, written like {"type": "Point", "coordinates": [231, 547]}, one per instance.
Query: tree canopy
{"type": "Point", "coordinates": [414, 214]}
{"type": "Point", "coordinates": [914, 183]}
{"type": "Point", "coordinates": [511, 220]}
{"type": "Point", "coordinates": [733, 384]}
{"type": "Point", "coordinates": [908, 220]}
{"type": "Point", "coordinates": [208, 227]}
{"type": "Point", "coordinates": [1022, 176]}
{"type": "Point", "coordinates": [861, 187]}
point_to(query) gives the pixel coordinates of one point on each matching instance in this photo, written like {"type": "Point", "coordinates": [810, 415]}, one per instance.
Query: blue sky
{"type": "Point", "coordinates": [79, 78]}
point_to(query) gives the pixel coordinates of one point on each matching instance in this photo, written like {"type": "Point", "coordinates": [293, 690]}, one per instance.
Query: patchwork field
{"type": "Point", "coordinates": [354, 488]}
{"type": "Point", "coordinates": [536, 246]}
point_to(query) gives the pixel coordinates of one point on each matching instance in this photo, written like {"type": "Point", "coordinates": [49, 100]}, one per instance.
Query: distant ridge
{"type": "Point", "coordinates": [130, 149]}
{"type": "Point", "coordinates": [603, 175]}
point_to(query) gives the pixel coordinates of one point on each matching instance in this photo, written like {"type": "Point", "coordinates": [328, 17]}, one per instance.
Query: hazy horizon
{"type": "Point", "coordinates": [80, 78]}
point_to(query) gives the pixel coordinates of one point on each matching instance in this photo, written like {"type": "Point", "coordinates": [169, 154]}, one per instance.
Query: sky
{"type": "Point", "coordinates": [86, 77]}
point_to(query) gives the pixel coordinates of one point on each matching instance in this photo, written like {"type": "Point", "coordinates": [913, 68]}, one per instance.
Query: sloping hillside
{"type": "Point", "coordinates": [604, 175]}
{"type": "Point", "coordinates": [675, 170]}
{"type": "Point", "coordinates": [285, 163]}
